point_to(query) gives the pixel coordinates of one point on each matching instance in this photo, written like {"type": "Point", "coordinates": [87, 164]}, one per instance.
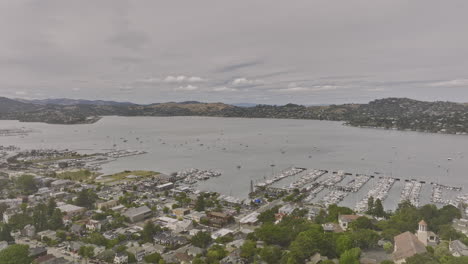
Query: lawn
{"type": "Point", "coordinates": [79, 175]}
{"type": "Point", "coordinates": [123, 176]}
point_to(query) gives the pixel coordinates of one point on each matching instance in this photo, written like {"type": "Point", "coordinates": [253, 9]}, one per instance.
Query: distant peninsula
{"type": "Point", "coordinates": [388, 113]}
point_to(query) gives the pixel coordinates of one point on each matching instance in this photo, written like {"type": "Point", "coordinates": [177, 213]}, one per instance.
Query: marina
{"type": "Point", "coordinates": [192, 176]}
{"type": "Point", "coordinates": [310, 177]}
{"type": "Point", "coordinates": [284, 174]}
{"type": "Point", "coordinates": [411, 192]}
{"type": "Point", "coordinates": [327, 146]}
{"type": "Point", "coordinates": [379, 191]}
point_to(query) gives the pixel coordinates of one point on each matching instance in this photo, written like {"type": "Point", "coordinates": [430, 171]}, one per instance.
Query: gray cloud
{"type": "Point", "coordinates": [301, 51]}
{"type": "Point", "coordinates": [238, 66]}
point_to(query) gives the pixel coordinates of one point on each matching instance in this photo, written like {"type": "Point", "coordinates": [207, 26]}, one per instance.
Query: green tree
{"type": "Point", "coordinates": [201, 239]}
{"type": "Point", "coordinates": [334, 211]}
{"type": "Point", "coordinates": [5, 233]}
{"type": "Point", "coordinates": [51, 205]}
{"type": "Point", "coordinates": [56, 220]}
{"type": "Point", "coordinates": [19, 221]}
{"type": "Point", "coordinates": [365, 238]}
{"type": "Point", "coordinates": [200, 204]}
{"type": "Point", "coordinates": [422, 258]}
{"type": "Point", "coordinates": [379, 210]}
{"type": "Point", "coordinates": [26, 184]}
{"type": "Point", "coordinates": [306, 244]}
{"type": "Point", "coordinates": [131, 258]}
{"type": "Point", "coordinates": [15, 254]}
{"type": "Point", "coordinates": [215, 254]}
{"type": "Point", "coordinates": [343, 243]}
{"type": "Point", "coordinates": [86, 252]}
{"type": "Point", "coordinates": [97, 239]}
{"type": "Point", "coordinates": [268, 215]}
{"type": "Point", "coordinates": [153, 258]}
{"type": "Point", "coordinates": [388, 247]}
{"type": "Point", "coordinates": [370, 205]}
{"type": "Point", "coordinates": [3, 208]}
{"type": "Point", "coordinates": [442, 251]}
{"type": "Point", "coordinates": [362, 222]}
{"type": "Point", "coordinates": [40, 217]}
{"type": "Point", "coordinates": [271, 254]}
{"type": "Point", "coordinates": [149, 230]}
{"type": "Point", "coordinates": [350, 256]}
{"type": "Point", "coordinates": [86, 198]}
{"type": "Point", "coordinates": [321, 217]}
{"type": "Point", "coordinates": [248, 249]}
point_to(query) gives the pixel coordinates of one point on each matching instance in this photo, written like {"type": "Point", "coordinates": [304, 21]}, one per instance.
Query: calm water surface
{"type": "Point", "coordinates": [176, 143]}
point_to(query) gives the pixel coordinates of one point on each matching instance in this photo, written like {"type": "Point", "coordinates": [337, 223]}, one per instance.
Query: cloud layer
{"type": "Point", "coordinates": [305, 51]}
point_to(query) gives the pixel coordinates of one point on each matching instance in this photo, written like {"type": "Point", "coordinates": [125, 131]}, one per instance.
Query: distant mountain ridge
{"type": "Point", "coordinates": [389, 113]}
{"type": "Point", "coordinates": [66, 101]}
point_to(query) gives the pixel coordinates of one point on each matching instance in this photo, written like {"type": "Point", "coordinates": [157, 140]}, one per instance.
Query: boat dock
{"type": "Point", "coordinates": [284, 174]}
{"type": "Point", "coordinates": [411, 192]}
{"type": "Point", "coordinates": [308, 178]}
{"type": "Point", "coordinates": [380, 191]}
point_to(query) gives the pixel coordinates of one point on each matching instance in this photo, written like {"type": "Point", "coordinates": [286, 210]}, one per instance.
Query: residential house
{"type": "Point", "coordinates": [9, 213]}
{"type": "Point", "coordinates": [37, 252]}
{"type": "Point", "coordinates": [183, 258]}
{"type": "Point", "coordinates": [180, 212]}
{"type": "Point", "coordinates": [104, 205]}
{"type": "Point", "coordinates": [345, 220]}
{"type": "Point", "coordinates": [164, 187]}
{"type": "Point", "coordinates": [121, 258]}
{"type": "Point", "coordinates": [61, 183]}
{"type": "Point", "coordinates": [407, 245]}
{"type": "Point", "coordinates": [93, 225]}
{"type": "Point", "coordinates": [461, 225]}
{"type": "Point", "coordinates": [138, 252]}
{"type": "Point", "coordinates": [195, 251]}
{"type": "Point", "coordinates": [138, 214]}
{"type": "Point", "coordinates": [51, 235]}
{"type": "Point", "coordinates": [180, 226]}
{"type": "Point", "coordinates": [29, 231]}
{"type": "Point", "coordinates": [218, 219]}
{"type": "Point", "coordinates": [196, 216]}
{"type": "Point", "coordinates": [77, 229]}
{"type": "Point", "coordinates": [316, 258]}
{"type": "Point", "coordinates": [250, 219]}
{"type": "Point", "coordinates": [169, 239]}
{"type": "Point", "coordinates": [150, 248]}
{"type": "Point", "coordinates": [119, 208]}
{"type": "Point", "coordinates": [458, 249]}
{"type": "Point", "coordinates": [332, 227]}
{"type": "Point", "coordinates": [221, 232]}
{"type": "Point", "coordinates": [71, 210]}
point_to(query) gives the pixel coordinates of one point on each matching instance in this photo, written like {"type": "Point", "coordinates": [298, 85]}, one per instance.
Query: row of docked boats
{"type": "Point", "coordinates": [333, 197]}
{"type": "Point", "coordinates": [124, 153]}
{"type": "Point", "coordinates": [191, 176]}
{"type": "Point", "coordinates": [308, 178]}
{"type": "Point", "coordinates": [380, 191]}
{"type": "Point", "coordinates": [284, 174]}
{"type": "Point", "coordinates": [411, 192]}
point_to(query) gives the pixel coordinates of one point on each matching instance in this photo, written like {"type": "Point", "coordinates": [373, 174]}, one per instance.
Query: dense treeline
{"type": "Point", "coordinates": [390, 113]}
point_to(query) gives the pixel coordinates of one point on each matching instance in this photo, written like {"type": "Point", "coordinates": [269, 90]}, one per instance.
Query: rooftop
{"type": "Point", "coordinates": [407, 245]}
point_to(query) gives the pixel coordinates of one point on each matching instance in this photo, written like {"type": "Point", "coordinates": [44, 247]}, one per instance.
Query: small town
{"type": "Point", "coordinates": [57, 209]}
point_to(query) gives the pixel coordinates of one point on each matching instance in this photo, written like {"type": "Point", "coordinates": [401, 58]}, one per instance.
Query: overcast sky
{"type": "Point", "coordinates": [307, 52]}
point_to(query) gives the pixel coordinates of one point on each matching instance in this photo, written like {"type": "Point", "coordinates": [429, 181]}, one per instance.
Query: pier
{"type": "Point", "coordinates": [411, 192]}
{"type": "Point", "coordinates": [284, 174]}
{"type": "Point", "coordinates": [380, 191]}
